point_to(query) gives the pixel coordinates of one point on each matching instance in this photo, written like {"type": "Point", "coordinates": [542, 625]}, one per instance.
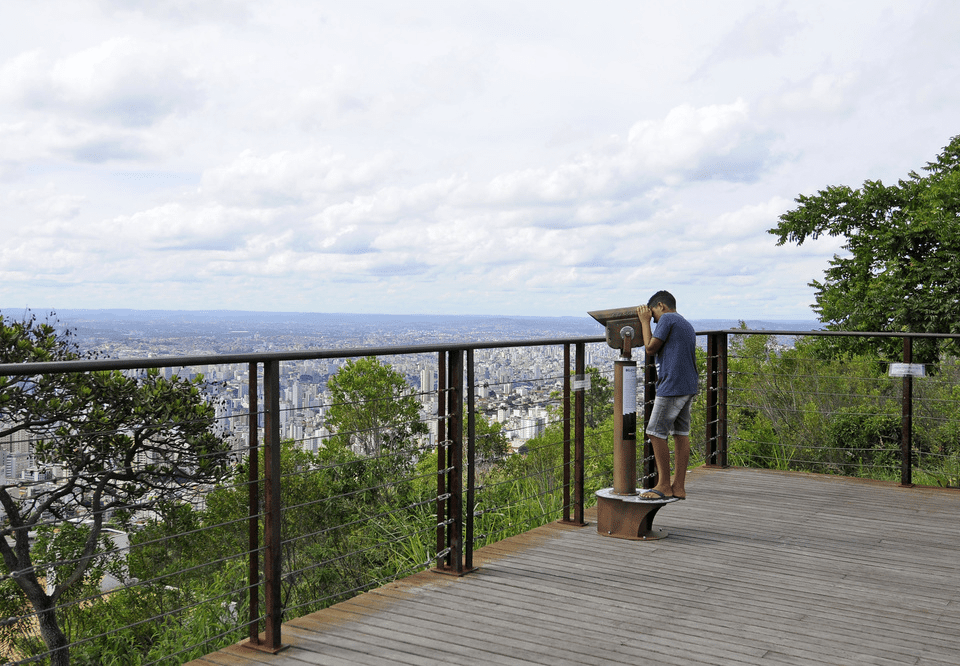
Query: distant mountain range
{"type": "Point", "coordinates": [181, 322]}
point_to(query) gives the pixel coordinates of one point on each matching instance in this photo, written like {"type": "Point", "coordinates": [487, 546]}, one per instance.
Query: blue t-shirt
{"type": "Point", "coordinates": [677, 358]}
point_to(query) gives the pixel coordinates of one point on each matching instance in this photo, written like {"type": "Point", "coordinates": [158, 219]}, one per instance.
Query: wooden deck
{"type": "Point", "coordinates": [760, 567]}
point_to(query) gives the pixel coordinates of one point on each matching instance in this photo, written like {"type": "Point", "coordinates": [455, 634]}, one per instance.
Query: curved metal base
{"type": "Point", "coordinates": [653, 535]}
{"type": "Point", "coordinates": [628, 516]}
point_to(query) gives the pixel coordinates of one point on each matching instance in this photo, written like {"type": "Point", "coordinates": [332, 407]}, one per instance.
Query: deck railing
{"type": "Point", "coordinates": [302, 522]}
{"type": "Point", "coordinates": [776, 406]}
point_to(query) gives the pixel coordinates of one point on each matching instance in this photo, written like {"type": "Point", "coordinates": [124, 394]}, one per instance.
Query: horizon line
{"type": "Point", "coordinates": [372, 314]}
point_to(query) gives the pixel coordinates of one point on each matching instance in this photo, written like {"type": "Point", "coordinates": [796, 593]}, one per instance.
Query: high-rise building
{"type": "Point", "coordinates": [13, 464]}
{"type": "Point", "coordinates": [426, 380]}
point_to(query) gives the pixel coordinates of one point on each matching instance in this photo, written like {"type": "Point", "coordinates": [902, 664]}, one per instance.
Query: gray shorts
{"type": "Point", "coordinates": [670, 416]}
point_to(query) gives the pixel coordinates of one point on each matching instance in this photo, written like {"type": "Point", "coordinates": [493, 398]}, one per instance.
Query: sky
{"type": "Point", "coordinates": [517, 158]}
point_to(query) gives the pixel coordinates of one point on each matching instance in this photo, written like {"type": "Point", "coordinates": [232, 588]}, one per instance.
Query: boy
{"type": "Point", "coordinates": [674, 346]}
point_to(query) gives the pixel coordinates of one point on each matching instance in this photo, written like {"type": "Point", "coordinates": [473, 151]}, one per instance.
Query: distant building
{"type": "Point", "coordinates": [13, 465]}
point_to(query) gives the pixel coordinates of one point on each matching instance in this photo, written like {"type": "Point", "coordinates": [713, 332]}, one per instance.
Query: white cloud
{"type": "Point", "coordinates": [761, 32]}
{"type": "Point", "coordinates": [711, 142]}
{"type": "Point", "coordinates": [747, 223]}
{"type": "Point", "coordinates": [714, 142]}
{"type": "Point", "coordinates": [826, 94]}
{"type": "Point", "coordinates": [175, 226]}
{"type": "Point", "coordinates": [120, 80]}
{"type": "Point", "coordinates": [535, 159]}
{"type": "Point", "coordinates": [291, 177]}
{"type": "Point", "coordinates": [95, 105]}
{"type": "Point", "coordinates": [46, 204]}
{"type": "Point", "coordinates": [186, 11]}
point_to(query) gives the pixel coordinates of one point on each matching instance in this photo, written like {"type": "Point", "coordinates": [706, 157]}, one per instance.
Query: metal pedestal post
{"type": "Point", "coordinates": [621, 512]}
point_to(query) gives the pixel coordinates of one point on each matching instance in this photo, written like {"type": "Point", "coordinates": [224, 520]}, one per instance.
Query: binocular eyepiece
{"type": "Point", "coordinates": [622, 327]}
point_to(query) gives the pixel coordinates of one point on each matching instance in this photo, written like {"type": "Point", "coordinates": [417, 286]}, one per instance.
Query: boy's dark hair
{"type": "Point", "coordinates": [664, 297]}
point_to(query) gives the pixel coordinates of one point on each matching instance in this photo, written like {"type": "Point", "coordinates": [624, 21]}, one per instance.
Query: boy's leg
{"type": "Point", "coordinates": [662, 418]}
{"type": "Point", "coordinates": [661, 452]}
{"type": "Point", "coordinates": [681, 447]}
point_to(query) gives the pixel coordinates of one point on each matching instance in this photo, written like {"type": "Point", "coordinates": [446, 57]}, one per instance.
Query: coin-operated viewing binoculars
{"type": "Point", "coordinates": [621, 512]}
{"type": "Point", "coordinates": [623, 328]}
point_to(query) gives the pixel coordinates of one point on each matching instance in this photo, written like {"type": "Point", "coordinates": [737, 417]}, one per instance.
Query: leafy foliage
{"type": "Point", "coordinates": [792, 409]}
{"type": "Point", "coordinates": [357, 515]}
{"type": "Point", "coordinates": [525, 490]}
{"type": "Point", "coordinates": [490, 439]}
{"type": "Point", "coordinates": [373, 409]}
{"type": "Point", "coordinates": [598, 399]}
{"type": "Point", "coordinates": [903, 268]}
{"type": "Point", "coordinates": [112, 441]}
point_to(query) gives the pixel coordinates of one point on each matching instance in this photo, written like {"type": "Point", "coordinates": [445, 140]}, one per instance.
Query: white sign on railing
{"type": "Point", "coordinates": [581, 383]}
{"type": "Point", "coordinates": [907, 370]}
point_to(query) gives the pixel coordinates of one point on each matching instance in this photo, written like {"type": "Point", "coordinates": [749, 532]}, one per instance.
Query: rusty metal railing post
{"type": "Point", "coordinates": [715, 447]}
{"type": "Point", "coordinates": [455, 475]}
{"type": "Point", "coordinates": [566, 434]}
{"type": "Point", "coordinates": [573, 462]}
{"type": "Point", "coordinates": [253, 491]}
{"type": "Point", "coordinates": [272, 506]}
{"type": "Point", "coordinates": [443, 445]}
{"type": "Point", "coordinates": [906, 435]}
{"type": "Point", "coordinates": [471, 460]}
{"type": "Point", "coordinates": [711, 434]}
{"type": "Point", "coordinates": [649, 467]}
{"type": "Point", "coordinates": [450, 465]}
{"type": "Point", "coordinates": [722, 380]}
{"type": "Point", "coordinates": [578, 448]}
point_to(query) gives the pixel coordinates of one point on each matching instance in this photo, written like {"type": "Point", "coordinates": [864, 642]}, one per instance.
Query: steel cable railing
{"type": "Point", "coordinates": [89, 600]}
{"type": "Point", "coordinates": [536, 496]}
{"type": "Point", "coordinates": [793, 409]}
{"type": "Point", "coordinates": [514, 500]}
{"type": "Point", "coordinates": [361, 537]}
{"type": "Point", "coordinates": [377, 582]}
{"type": "Point", "coordinates": [810, 418]}
{"type": "Point", "coordinates": [150, 622]}
{"type": "Point", "coordinates": [318, 517]}
{"type": "Point", "coordinates": [597, 452]}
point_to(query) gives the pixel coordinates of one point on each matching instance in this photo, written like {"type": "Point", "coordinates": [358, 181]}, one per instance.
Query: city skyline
{"type": "Point", "coordinates": [543, 159]}
{"type": "Point", "coordinates": [514, 385]}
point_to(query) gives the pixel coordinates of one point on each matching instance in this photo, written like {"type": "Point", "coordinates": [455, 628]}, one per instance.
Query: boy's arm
{"type": "Point", "coordinates": [652, 344]}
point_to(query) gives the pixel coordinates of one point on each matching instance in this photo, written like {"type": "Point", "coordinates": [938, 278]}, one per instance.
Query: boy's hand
{"type": "Point", "coordinates": [644, 313]}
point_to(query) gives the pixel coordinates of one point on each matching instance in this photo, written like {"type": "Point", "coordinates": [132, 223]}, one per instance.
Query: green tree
{"type": "Point", "coordinates": [373, 410]}
{"type": "Point", "coordinates": [790, 409]}
{"type": "Point", "coordinates": [490, 439]}
{"type": "Point", "coordinates": [62, 543]}
{"type": "Point", "coordinates": [903, 268]}
{"type": "Point", "coordinates": [598, 399]}
{"type": "Point", "coordinates": [112, 442]}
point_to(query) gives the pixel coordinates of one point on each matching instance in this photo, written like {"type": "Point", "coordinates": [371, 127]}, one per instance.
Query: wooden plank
{"type": "Point", "coordinates": [669, 621]}
{"type": "Point", "coordinates": [760, 568]}
{"type": "Point", "coordinates": [342, 646]}
{"type": "Point", "coordinates": [582, 630]}
{"type": "Point", "coordinates": [548, 626]}
{"type": "Point", "coordinates": [463, 648]}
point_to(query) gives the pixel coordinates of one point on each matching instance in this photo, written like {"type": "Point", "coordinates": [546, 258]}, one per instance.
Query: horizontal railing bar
{"type": "Point", "coordinates": [92, 365]}
{"type": "Point", "coordinates": [821, 333]}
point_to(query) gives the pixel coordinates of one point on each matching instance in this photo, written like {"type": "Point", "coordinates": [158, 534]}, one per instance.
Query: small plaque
{"type": "Point", "coordinates": [581, 383]}
{"type": "Point", "coordinates": [907, 370]}
{"type": "Point", "coordinates": [629, 389]}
